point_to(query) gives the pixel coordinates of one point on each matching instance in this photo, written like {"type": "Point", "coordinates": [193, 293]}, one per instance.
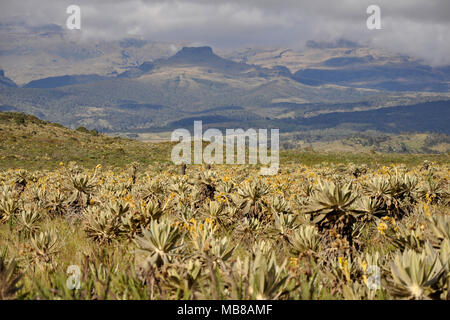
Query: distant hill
{"type": "Point", "coordinates": [30, 143]}
{"type": "Point", "coordinates": [203, 57]}
{"type": "Point", "coordinates": [62, 81]}
{"type": "Point", "coordinates": [360, 73]}
{"type": "Point", "coordinates": [36, 52]}
{"type": "Point", "coordinates": [4, 81]}
{"type": "Point", "coordinates": [423, 117]}
{"type": "Point", "coordinates": [346, 63]}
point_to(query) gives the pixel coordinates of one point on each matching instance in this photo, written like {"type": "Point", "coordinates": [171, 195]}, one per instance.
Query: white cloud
{"type": "Point", "coordinates": [420, 28]}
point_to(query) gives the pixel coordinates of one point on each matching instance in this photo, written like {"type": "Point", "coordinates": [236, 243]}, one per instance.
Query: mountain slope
{"type": "Point", "coordinates": [28, 142]}
{"type": "Point", "coordinates": [35, 52]}
{"type": "Point", "coordinates": [62, 81]}
{"type": "Point", "coordinates": [392, 77]}
{"type": "Point", "coordinates": [5, 81]}
{"type": "Point", "coordinates": [192, 81]}
{"type": "Point", "coordinates": [348, 64]}
{"type": "Point", "coordinates": [196, 84]}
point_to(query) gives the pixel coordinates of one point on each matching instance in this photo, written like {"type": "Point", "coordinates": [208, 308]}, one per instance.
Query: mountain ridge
{"type": "Point", "coordinates": [355, 72]}
{"type": "Point", "coordinates": [139, 85]}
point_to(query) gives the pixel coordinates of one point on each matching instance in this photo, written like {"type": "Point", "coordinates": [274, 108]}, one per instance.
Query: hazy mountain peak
{"type": "Point", "coordinates": [195, 55]}
{"type": "Point", "coordinates": [202, 57]}
{"type": "Point", "coordinates": [195, 51]}
{"type": "Point", "coordinates": [5, 81]}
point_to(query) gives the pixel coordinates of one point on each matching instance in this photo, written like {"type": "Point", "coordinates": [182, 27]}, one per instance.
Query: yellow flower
{"type": "Point", "coordinates": [429, 197]}
{"type": "Point", "coordinates": [293, 262]}
{"type": "Point", "coordinates": [382, 227]}
{"type": "Point", "coordinates": [341, 262]}
{"type": "Point", "coordinates": [364, 266]}
{"type": "Point", "coordinates": [427, 210]}
{"type": "Point", "coordinates": [343, 265]}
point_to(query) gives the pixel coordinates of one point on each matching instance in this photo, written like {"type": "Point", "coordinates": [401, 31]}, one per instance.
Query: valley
{"type": "Point", "coordinates": [151, 88]}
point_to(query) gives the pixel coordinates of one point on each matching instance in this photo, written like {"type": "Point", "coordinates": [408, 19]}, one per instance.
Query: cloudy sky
{"type": "Point", "coordinates": [420, 28]}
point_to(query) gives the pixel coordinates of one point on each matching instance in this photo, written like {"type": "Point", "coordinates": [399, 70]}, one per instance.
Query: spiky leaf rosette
{"type": "Point", "coordinates": [158, 242]}
{"type": "Point", "coordinates": [8, 279]}
{"type": "Point", "coordinates": [331, 208]}
{"type": "Point", "coordinates": [415, 275]}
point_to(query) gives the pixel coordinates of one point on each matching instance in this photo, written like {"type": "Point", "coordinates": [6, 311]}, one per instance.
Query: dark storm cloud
{"type": "Point", "coordinates": [420, 28]}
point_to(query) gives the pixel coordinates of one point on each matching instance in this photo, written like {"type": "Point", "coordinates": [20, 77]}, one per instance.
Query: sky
{"type": "Point", "coordinates": [419, 28]}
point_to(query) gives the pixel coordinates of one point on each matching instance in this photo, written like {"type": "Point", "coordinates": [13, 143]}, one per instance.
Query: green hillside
{"type": "Point", "coordinates": [30, 143]}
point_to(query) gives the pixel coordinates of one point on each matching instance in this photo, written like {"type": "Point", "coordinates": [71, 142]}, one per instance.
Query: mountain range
{"type": "Point", "coordinates": [137, 87]}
